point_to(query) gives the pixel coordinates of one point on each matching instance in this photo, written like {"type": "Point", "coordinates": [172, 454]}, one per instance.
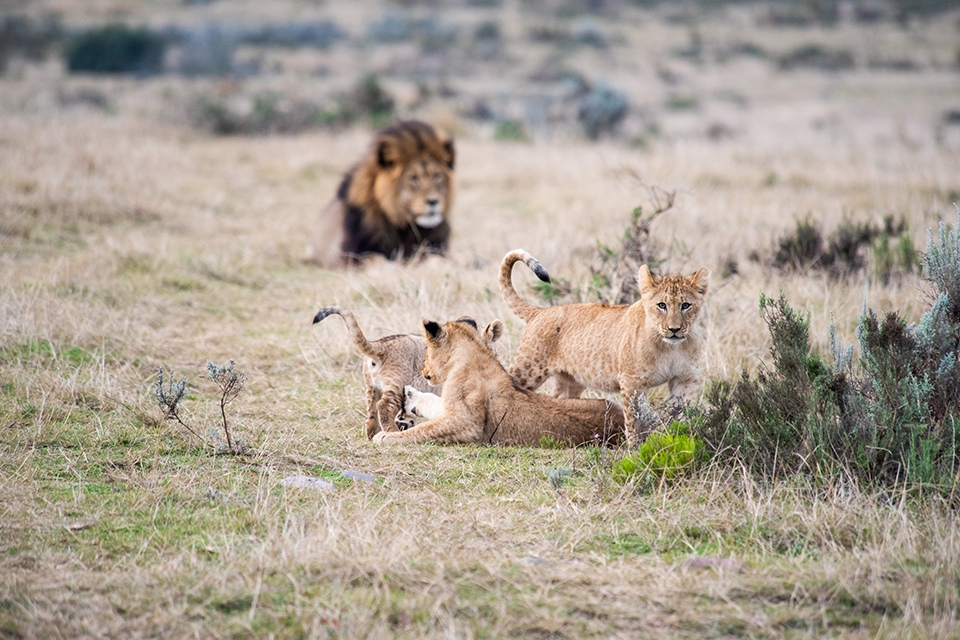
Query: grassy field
{"type": "Point", "coordinates": [134, 239]}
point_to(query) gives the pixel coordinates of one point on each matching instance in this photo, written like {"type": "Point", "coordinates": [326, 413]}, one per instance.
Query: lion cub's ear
{"type": "Point", "coordinates": [468, 320]}
{"type": "Point", "coordinates": [699, 280]}
{"type": "Point", "coordinates": [645, 280]}
{"type": "Point", "coordinates": [431, 330]}
{"type": "Point", "coordinates": [493, 331]}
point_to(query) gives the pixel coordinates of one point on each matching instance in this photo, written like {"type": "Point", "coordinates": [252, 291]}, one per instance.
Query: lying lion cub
{"type": "Point", "coordinates": [611, 347]}
{"type": "Point", "coordinates": [482, 405]}
{"type": "Point", "coordinates": [391, 363]}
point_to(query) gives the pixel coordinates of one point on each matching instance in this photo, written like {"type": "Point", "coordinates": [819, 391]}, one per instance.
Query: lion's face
{"type": "Point", "coordinates": [413, 175]}
{"type": "Point", "coordinates": [672, 303]}
{"type": "Point", "coordinates": [423, 192]}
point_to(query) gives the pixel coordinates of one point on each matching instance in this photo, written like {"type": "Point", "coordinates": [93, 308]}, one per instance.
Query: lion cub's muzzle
{"type": "Point", "coordinates": [673, 336]}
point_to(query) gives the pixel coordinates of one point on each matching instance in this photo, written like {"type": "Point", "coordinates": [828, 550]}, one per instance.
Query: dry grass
{"type": "Point", "coordinates": [130, 242]}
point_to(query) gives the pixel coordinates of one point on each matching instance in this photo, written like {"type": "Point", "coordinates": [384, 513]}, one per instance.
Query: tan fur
{"type": "Point", "coordinates": [392, 363]}
{"type": "Point", "coordinates": [613, 348]}
{"type": "Point", "coordinates": [395, 202]}
{"type": "Point", "coordinates": [481, 404]}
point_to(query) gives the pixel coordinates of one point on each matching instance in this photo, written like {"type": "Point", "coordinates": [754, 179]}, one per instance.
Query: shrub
{"type": "Point", "coordinates": [369, 98]}
{"type": "Point", "coordinates": [270, 112]}
{"type": "Point", "coordinates": [320, 34]}
{"type": "Point", "coordinates": [844, 251]}
{"type": "Point", "coordinates": [208, 52]}
{"type": "Point", "coordinates": [613, 274]}
{"type": "Point", "coordinates": [169, 394]}
{"type": "Point", "coordinates": [601, 109]}
{"type": "Point", "coordinates": [814, 56]}
{"type": "Point", "coordinates": [510, 131]}
{"type": "Point", "coordinates": [893, 417]}
{"type": "Point", "coordinates": [662, 456]}
{"type": "Point", "coordinates": [21, 36]}
{"type": "Point", "coordinates": [116, 49]}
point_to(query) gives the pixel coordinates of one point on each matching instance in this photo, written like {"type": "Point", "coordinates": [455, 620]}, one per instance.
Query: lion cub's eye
{"type": "Point", "coordinates": [662, 306]}
{"type": "Point", "coordinates": [684, 306]}
{"type": "Point", "coordinates": [438, 178]}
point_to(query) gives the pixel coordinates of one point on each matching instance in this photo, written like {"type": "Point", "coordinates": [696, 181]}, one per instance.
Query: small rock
{"type": "Point", "coordinates": [705, 562]}
{"type": "Point", "coordinates": [358, 475]}
{"type": "Point", "coordinates": [308, 482]}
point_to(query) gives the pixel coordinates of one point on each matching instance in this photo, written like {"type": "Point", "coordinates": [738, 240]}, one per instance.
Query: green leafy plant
{"type": "Point", "coordinates": [662, 456]}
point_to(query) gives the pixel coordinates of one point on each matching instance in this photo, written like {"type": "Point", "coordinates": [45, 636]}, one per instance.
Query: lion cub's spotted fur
{"type": "Point", "coordinates": [481, 404]}
{"type": "Point", "coordinates": [392, 363]}
{"type": "Point", "coordinates": [613, 348]}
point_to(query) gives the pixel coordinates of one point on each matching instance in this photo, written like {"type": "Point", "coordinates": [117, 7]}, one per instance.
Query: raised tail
{"type": "Point", "coordinates": [510, 296]}
{"type": "Point", "coordinates": [365, 346]}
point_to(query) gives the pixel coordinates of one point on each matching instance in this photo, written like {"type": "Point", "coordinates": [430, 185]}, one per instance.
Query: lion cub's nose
{"type": "Point", "coordinates": [674, 331]}
{"type": "Point", "coordinates": [433, 201]}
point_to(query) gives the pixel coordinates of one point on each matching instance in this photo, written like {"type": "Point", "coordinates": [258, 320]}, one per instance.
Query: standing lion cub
{"type": "Point", "coordinates": [481, 404]}
{"type": "Point", "coordinates": [613, 348]}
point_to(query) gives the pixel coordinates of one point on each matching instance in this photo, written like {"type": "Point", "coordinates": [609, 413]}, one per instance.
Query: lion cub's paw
{"type": "Point", "coordinates": [386, 438]}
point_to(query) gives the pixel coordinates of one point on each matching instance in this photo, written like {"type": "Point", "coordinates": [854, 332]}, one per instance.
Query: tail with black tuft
{"type": "Point", "coordinates": [510, 296]}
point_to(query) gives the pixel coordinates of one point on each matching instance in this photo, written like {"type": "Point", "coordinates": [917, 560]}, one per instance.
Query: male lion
{"type": "Point", "coordinates": [392, 363]}
{"type": "Point", "coordinates": [625, 348]}
{"type": "Point", "coordinates": [481, 404]}
{"type": "Point", "coordinates": [394, 202]}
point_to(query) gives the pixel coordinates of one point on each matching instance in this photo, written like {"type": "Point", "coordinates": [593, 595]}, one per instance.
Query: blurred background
{"type": "Point", "coordinates": [640, 72]}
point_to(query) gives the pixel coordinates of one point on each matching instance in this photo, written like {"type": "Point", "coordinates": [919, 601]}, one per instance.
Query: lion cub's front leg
{"type": "Point", "coordinates": [633, 391]}
{"type": "Point", "coordinates": [446, 430]}
{"type": "Point", "coordinates": [684, 389]}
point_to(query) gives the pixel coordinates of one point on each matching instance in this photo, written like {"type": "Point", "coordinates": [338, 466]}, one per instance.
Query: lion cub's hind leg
{"type": "Point", "coordinates": [373, 423]}
{"type": "Point", "coordinates": [528, 370]}
{"type": "Point", "coordinates": [390, 404]}
{"type": "Point", "coordinates": [567, 386]}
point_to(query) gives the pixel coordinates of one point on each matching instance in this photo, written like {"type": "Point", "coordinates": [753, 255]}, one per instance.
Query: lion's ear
{"type": "Point", "coordinates": [386, 153]}
{"type": "Point", "coordinates": [431, 330]}
{"type": "Point", "coordinates": [451, 153]}
{"type": "Point", "coordinates": [493, 331]}
{"type": "Point", "coordinates": [645, 280]}
{"type": "Point", "coordinates": [699, 280]}
{"type": "Point", "coordinates": [468, 320]}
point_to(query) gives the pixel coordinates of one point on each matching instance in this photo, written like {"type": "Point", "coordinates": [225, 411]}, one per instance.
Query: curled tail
{"type": "Point", "coordinates": [510, 296]}
{"type": "Point", "coordinates": [364, 345]}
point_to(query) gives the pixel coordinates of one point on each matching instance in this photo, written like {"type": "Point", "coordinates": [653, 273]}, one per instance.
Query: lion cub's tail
{"type": "Point", "coordinates": [510, 296]}
{"type": "Point", "coordinates": [365, 346]}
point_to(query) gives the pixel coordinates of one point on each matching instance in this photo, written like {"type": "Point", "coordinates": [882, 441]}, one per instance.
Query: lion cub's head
{"type": "Point", "coordinates": [451, 341]}
{"type": "Point", "coordinates": [408, 175]}
{"type": "Point", "coordinates": [672, 302]}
